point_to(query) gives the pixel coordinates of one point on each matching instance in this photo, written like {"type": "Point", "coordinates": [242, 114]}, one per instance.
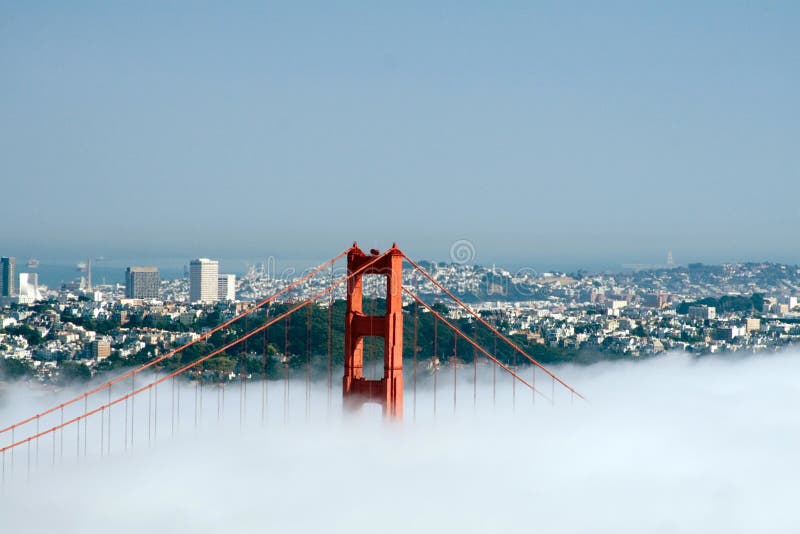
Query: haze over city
{"type": "Point", "coordinates": [586, 134]}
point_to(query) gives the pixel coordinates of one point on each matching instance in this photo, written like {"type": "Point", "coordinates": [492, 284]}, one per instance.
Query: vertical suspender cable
{"type": "Point", "coordinates": [494, 376]}
{"type": "Point", "coordinates": [177, 405]}
{"type": "Point", "coordinates": [155, 408]}
{"type": "Point", "coordinates": [475, 366]}
{"type": "Point", "coordinates": [102, 430]}
{"type": "Point", "coordinates": [286, 371]}
{"type": "Point", "coordinates": [172, 409]}
{"type": "Point", "coordinates": [246, 374]}
{"type": "Point", "coordinates": [308, 360]}
{"type": "Point", "coordinates": [264, 370]}
{"type": "Point", "coordinates": [435, 360]}
{"type": "Point", "coordinates": [455, 370]}
{"type": "Point", "coordinates": [86, 425]}
{"type": "Point", "coordinates": [61, 446]}
{"type": "Point", "coordinates": [133, 406]}
{"type": "Point", "coordinates": [241, 396]}
{"type": "Point", "coordinates": [125, 433]}
{"type": "Point", "coordinates": [196, 401]}
{"type": "Point", "coordinates": [330, 344]}
{"type": "Point", "coordinates": [514, 384]}
{"type": "Point", "coordinates": [416, 347]}
{"type": "Point", "coordinates": [109, 420]}
{"type": "Point", "coordinates": [150, 417]}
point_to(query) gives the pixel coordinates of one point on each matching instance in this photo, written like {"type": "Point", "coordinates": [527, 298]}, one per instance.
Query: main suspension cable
{"type": "Point", "coordinates": [489, 326]}
{"type": "Point", "coordinates": [464, 336]}
{"type": "Point", "coordinates": [202, 337]}
{"type": "Point", "coordinates": [181, 370]}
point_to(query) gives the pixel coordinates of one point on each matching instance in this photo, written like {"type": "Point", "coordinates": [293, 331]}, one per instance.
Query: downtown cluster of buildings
{"type": "Point", "coordinates": [206, 284]}
{"type": "Point", "coordinates": [147, 313]}
{"type": "Point", "coordinates": [22, 288]}
{"type": "Point", "coordinates": [585, 315]}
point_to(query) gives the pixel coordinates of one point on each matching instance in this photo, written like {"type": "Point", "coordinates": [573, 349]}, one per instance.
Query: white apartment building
{"type": "Point", "coordinates": [203, 280]}
{"type": "Point", "coordinates": [29, 288]}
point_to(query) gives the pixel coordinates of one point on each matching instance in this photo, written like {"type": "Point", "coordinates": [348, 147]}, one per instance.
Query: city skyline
{"type": "Point", "coordinates": [53, 273]}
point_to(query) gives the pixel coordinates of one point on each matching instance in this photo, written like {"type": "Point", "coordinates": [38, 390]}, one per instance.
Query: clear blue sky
{"type": "Point", "coordinates": [541, 131]}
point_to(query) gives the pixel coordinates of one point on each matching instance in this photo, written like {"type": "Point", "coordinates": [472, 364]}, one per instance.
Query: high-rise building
{"type": "Point", "coordinates": [142, 283]}
{"type": "Point", "coordinates": [29, 288]}
{"type": "Point", "coordinates": [226, 287]}
{"type": "Point", "coordinates": [203, 280]}
{"type": "Point", "coordinates": [8, 277]}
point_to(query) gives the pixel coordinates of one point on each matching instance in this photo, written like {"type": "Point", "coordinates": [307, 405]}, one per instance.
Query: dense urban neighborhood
{"type": "Point", "coordinates": [78, 330]}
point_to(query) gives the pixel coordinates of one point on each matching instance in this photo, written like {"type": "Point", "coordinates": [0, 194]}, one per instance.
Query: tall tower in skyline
{"type": "Point", "coordinates": [203, 280]}
{"type": "Point", "coordinates": [142, 283]}
{"type": "Point", "coordinates": [8, 269]}
{"type": "Point", "coordinates": [670, 260]}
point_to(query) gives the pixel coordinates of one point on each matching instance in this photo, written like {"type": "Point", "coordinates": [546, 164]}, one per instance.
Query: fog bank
{"type": "Point", "coordinates": [671, 444]}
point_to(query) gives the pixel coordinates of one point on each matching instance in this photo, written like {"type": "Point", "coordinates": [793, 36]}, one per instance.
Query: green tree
{"type": "Point", "coordinates": [70, 371]}
{"type": "Point", "coordinates": [14, 368]}
{"type": "Point", "coordinates": [32, 335]}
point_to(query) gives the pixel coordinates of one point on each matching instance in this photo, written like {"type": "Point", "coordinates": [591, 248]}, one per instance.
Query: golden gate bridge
{"type": "Point", "coordinates": [47, 428]}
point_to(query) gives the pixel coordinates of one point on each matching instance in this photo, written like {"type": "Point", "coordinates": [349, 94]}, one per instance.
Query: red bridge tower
{"type": "Point", "coordinates": [388, 391]}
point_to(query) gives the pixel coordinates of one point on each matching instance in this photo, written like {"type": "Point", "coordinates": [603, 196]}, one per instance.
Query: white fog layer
{"type": "Point", "coordinates": [672, 444]}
